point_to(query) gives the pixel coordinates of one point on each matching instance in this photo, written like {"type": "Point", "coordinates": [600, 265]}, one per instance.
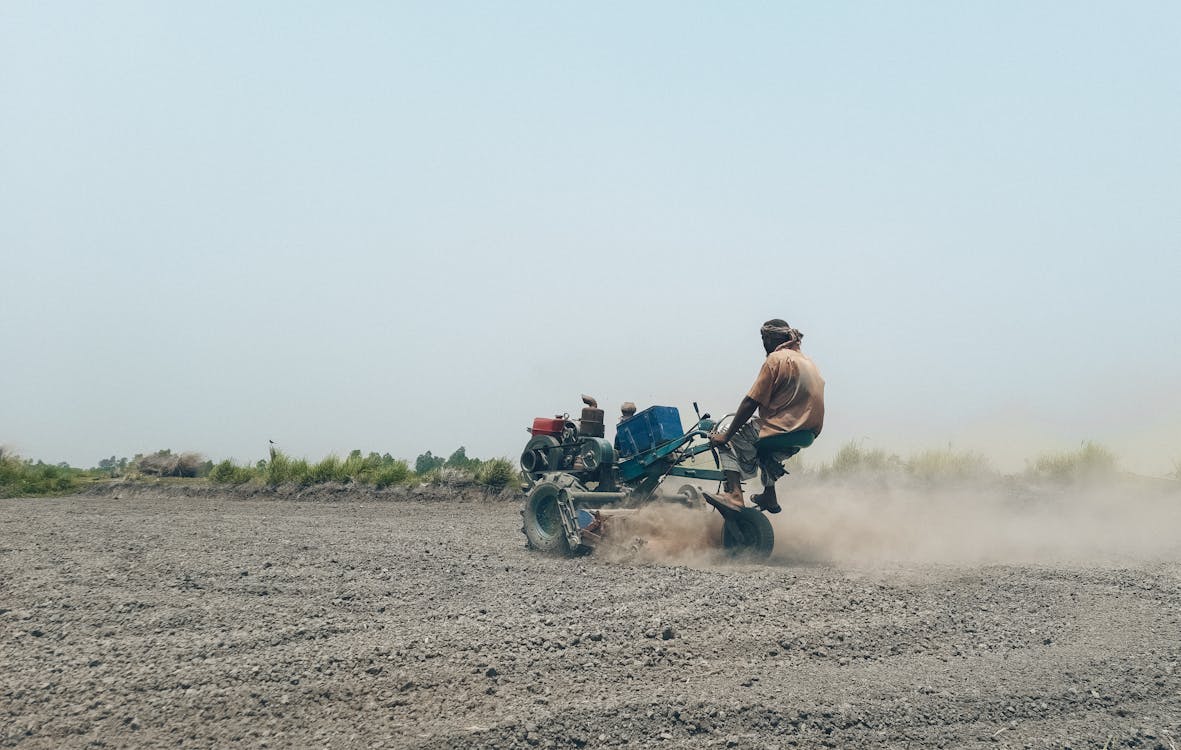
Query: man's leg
{"type": "Point", "coordinates": [767, 500]}
{"type": "Point", "coordinates": [733, 482]}
{"type": "Point", "coordinates": [739, 461]}
{"type": "Point", "coordinates": [770, 470]}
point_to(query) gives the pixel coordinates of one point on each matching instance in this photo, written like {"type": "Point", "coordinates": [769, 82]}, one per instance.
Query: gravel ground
{"type": "Point", "coordinates": [218, 621]}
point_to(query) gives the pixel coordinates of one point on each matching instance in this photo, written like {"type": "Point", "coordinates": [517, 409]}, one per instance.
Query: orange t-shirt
{"type": "Point", "coordinates": [790, 393]}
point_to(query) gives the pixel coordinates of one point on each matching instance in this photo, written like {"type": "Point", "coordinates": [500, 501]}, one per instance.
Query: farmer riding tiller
{"type": "Point", "coordinates": [577, 481]}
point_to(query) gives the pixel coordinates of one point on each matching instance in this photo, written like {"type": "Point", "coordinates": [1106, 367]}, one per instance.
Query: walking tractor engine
{"type": "Point", "coordinates": [559, 445]}
{"type": "Point", "coordinates": [577, 481]}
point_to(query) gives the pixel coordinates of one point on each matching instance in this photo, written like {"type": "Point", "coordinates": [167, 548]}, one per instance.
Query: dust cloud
{"type": "Point", "coordinates": [1104, 522]}
{"type": "Point", "coordinates": [664, 532]}
{"type": "Point", "coordinates": [859, 522]}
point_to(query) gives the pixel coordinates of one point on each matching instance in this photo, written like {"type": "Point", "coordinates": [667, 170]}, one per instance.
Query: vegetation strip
{"type": "Point", "coordinates": [21, 478]}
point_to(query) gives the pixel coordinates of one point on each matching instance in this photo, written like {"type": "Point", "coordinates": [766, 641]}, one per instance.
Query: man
{"type": "Point", "coordinates": [789, 396]}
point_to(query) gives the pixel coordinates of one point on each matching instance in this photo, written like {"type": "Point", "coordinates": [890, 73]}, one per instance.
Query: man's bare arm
{"type": "Point", "coordinates": [746, 410]}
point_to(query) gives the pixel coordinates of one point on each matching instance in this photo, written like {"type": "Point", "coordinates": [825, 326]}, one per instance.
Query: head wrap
{"type": "Point", "coordinates": [779, 329]}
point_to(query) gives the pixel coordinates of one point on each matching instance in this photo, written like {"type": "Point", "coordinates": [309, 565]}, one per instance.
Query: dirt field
{"type": "Point", "coordinates": [215, 621]}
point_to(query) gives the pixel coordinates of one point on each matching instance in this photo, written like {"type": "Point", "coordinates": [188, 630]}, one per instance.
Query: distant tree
{"type": "Point", "coordinates": [113, 466]}
{"type": "Point", "coordinates": [426, 463]}
{"type": "Point", "coordinates": [459, 460]}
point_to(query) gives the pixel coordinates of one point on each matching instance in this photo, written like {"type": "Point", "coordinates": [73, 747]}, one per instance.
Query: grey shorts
{"type": "Point", "coordinates": [741, 455]}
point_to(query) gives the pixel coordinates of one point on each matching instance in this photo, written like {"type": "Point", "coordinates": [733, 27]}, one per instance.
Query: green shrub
{"type": "Point", "coordinates": [227, 472]}
{"type": "Point", "coordinates": [355, 467]}
{"type": "Point", "coordinates": [330, 469]}
{"type": "Point", "coordinates": [19, 478]}
{"type": "Point", "coordinates": [379, 470]}
{"type": "Point", "coordinates": [1091, 460]}
{"type": "Point", "coordinates": [282, 469]}
{"type": "Point", "coordinates": [393, 472]}
{"type": "Point", "coordinates": [497, 473]}
{"type": "Point", "coordinates": [10, 468]}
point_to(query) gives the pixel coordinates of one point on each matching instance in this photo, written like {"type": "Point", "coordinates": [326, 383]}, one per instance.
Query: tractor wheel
{"type": "Point", "coordinates": [748, 534]}
{"type": "Point", "coordinates": [541, 521]}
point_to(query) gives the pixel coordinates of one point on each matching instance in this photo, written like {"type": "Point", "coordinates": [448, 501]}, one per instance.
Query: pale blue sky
{"type": "Point", "coordinates": [401, 227]}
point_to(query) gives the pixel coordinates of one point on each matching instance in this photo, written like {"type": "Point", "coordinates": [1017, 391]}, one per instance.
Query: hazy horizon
{"type": "Point", "coordinates": [414, 227]}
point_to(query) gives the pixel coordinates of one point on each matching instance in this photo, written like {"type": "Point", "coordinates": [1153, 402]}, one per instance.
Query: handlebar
{"type": "Point", "coordinates": [704, 428]}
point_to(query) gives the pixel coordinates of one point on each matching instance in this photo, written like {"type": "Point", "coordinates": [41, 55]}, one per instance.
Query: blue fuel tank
{"type": "Point", "coordinates": [647, 429]}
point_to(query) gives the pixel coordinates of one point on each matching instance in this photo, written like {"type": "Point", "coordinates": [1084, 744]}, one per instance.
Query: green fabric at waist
{"type": "Point", "coordinates": [797, 439]}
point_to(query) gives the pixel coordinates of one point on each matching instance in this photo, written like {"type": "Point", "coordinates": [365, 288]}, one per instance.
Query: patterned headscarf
{"type": "Point", "coordinates": [779, 329]}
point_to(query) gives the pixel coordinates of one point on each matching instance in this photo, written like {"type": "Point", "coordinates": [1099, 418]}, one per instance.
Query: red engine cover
{"type": "Point", "coordinates": [553, 427]}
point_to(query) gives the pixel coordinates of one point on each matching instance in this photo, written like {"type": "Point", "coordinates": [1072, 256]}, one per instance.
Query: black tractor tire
{"type": "Point", "coordinates": [541, 522]}
{"type": "Point", "coordinates": [748, 534]}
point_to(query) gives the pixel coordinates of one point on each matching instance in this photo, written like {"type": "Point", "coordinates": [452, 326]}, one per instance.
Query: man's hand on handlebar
{"type": "Point", "coordinates": [745, 411]}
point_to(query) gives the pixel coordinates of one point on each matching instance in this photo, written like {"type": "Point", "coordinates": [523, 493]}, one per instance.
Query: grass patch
{"type": "Point", "coordinates": [375, 469]}
{"type": "Point", "coordinates": [397, 472]}
{"type": "Point", "coordinates": [282, 469]}
{"type": "Point", "coordinates": [228, 472]}
{"type": "Point", "coordinates": [1089, 461]}
{"type": "Point", "coordinates": [497, 473]}
{"type": "Point", "coordinates": [331, 469]}
{"type": "Point", "coordinates": [379, 470]}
